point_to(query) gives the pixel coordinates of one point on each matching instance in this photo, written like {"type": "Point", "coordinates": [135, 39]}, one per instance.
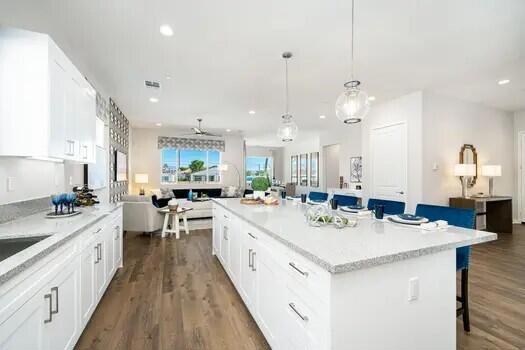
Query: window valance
{"type": "Point", "coordinates": [191, 143]}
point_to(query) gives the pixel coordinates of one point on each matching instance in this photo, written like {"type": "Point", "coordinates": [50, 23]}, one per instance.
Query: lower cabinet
{"type": "Point", "coordinates": [51, 306]}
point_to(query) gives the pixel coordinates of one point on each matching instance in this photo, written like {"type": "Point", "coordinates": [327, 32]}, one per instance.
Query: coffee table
{"type": "Point", "coordinates": [175, 217]}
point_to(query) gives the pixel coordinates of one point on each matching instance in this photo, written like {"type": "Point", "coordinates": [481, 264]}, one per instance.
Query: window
{"type": "Point", "coordinates": [187, 166]}
{"type": "Point", "coordinates": [258, 166]}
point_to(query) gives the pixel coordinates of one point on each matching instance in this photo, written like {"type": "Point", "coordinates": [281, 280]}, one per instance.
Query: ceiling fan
{"type": "Point", "coordinates": [199, 131]}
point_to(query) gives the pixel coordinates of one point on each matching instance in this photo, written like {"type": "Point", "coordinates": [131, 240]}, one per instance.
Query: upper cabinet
{"type": "Point", "coordinates": [47, 108]}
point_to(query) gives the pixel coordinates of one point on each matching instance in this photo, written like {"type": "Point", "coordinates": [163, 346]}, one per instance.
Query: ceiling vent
{"type": "Point", "coordinates": [152, 84]}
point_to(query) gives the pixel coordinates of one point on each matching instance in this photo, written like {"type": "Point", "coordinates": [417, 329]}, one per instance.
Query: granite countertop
{"type": "Point", "coordinates": [59, 230]}
{"type": "Point", "coordinates": [371, 243]}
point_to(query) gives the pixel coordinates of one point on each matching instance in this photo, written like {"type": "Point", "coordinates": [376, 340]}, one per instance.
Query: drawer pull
{"type": "Point", "coordinates": [225, 217]}
{"type": "Point", "coordinates": [253, 261]}
{"type": "Point", "coordinates": [98, 230]}
{"type": "Point", "coordinates": [303, 317]}
{"type": "Point", "coordinates": [250, 258]}
{"type": "Point", "coordinates": [55, 289]}
{"type": "Point", "coordinates": [304, 273]}
{"type": "Point", "coordinates": [96, 250]}
{"type": "Point", "coordinates": [225, 233]}
{"type": "Point", "coordinates": [48, 296]}
{"type": "Point", "coordinates": [100, 251]}
{"type": "Point", "coordinates": [252, 236]}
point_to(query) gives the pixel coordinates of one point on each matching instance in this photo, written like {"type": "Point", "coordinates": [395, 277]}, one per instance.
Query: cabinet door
{"type": "Point", "coordinates": [216, 233]}
{"type": "Point", "coordinates": [269, 305]}
{"type": "Point", "coordinates": [24, 330]}
{"type": "Point", "coordinates": [225, 244]}
{"type": "Point", "coordinates": [100, 268]}
{"type": "Point", "coordinates": [247, 280]}
{"type": "Point", "coordinates": [109, 239]}
{"type": "Point", "coordinates": [58, 106]}
{"type": "Point", "coordinates": [87, 282]}
{"type": "Point", "coordinates": [117, 242]}
{"type": "Point", "coordinates": [235, 251]}
{"type": "Point", "coordinates": [63, 329]}
{"type": "Point", "coordinates": [73, 98]}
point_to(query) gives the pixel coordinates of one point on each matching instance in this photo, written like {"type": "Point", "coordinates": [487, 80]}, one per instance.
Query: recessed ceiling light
{"type": "Point", "coordinates": [228, 130]}
{"type": "Point", "coordinates": [168, 77]}
{"type": "Point", "coordinates": [153, 100]}
{"type": "Point", "coordinates": [322, 116]}
{"type": "Point", "coordinates": [371, 98]}
{"type": "Point", "coordinates": [166, 30]}
{"type": "Point", "coordinates": [158, 124]}
{"type": "Point", "coordinates": [503, 82]}
{"type": "Point", "coordinates": [251, 112]}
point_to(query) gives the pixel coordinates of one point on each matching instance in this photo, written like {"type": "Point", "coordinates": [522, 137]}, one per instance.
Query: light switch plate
{"type": "Point", "coordinates": [413, 289]}
{"type": "Point", "coordinates": [10, 184]}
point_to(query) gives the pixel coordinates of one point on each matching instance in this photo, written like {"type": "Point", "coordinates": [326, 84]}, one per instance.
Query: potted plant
{"type": "Point", "coordinates": [259, 186]}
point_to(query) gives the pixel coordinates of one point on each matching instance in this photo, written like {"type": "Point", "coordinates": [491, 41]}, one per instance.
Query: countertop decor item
{"type": "Point", "coordinates": [288, 130]}
{"type": "Point", "coordinates": [85, 196]}
{"type": "Point", "coordinates": [259, 186]}
{"type": "Point", "coordinates": [173, 205]}
{"type": "Point", "coordinates": [352, 105]}
{"type": "Point", "coordinates": [491, 171]}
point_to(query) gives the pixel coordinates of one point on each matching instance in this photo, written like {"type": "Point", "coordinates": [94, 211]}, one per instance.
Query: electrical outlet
{"type": "Point", "coordinates": [10, 184]}
{"type": "Point", "coordinates": [413, 289]}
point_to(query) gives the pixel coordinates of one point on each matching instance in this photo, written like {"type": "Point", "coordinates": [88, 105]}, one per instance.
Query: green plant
{"type": "Point", "coordinates": [260, 183]}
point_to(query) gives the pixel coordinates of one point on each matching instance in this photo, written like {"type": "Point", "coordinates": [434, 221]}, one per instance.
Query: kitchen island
{"type": "Point", "coordinates": [379, 285]}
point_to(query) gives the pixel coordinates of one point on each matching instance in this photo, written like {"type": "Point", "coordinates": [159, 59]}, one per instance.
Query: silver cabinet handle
{"type": "Point", "coordinates": [55, 289]}
{"type": "Point", "coordinates": [401, 192]}
{"type": "Point", "coordinates": [304, 273]}
{"type": "Point", "coordinates": [225, 216]}
{"type": "Point", "coordinates": [100, 251]}
{"type": "Point", "coordinates": [48, 296]}
{"type": "Point", "coordinates": [117, 228]}
{"type": "Point", "coordinates": [253, 261]}
{"type": "Point", "coordinates": [303, 317]}
{"type": "Point", "coordinates": [252, 236]}
{"type": "Point", "coordinates": [225, 233]}
{"type": "Point", "coordinates": [96, 250]}
{"type": "Point", "coordinates": [250, 258]}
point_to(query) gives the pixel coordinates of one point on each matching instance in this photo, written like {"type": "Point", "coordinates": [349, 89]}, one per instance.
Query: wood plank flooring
{"type": "Point", "coordinates": [175, 295]}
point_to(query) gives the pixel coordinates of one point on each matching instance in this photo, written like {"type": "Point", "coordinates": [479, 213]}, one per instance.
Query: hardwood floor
{"type": "Point", "coordinates": [175, 295]}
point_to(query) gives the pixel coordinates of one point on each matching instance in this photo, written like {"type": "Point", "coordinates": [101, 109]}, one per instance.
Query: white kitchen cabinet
{"type": "Point", "coordinates": [224, 252]}
{"type": "Point", "coordinates": [117, 243]}
{"type": "Point", "coordinates": [216, 232]}
{"type": "Point", "coordinates": [234, 266]}
{"type": "Point", "coordinates": [248, 280]}
{"type": "Point", "coordinates": [109, 242]}
{"type": "Point", "coordinates": [100, 268]}
{"type": "Point", "coordinates": [87, 283]}
{"type": "Point", "coordinates": [44, 99]}
{"type": "Point", "coordinates": [61, 332]}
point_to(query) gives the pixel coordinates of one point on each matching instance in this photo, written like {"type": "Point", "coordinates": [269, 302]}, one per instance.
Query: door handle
{"type": "Point", "coordinates": [250, 258]}
{"type": "Point", "coordinates": [304, 273]}
{"type": "Point", "coordinates": [253, 261]}
{"type": "Point", "coordinates": [301, 316]}
{"type": "Point", "coordinates": [100, 251]}
{"type": "Point", "coordinates": [55, 289]}
{"type": "Point", "coordinates": [96, 250]}
{"type": "Point", "coordinates": [48, 296]}
{"type": "Point", "coordinates": [225, 233]}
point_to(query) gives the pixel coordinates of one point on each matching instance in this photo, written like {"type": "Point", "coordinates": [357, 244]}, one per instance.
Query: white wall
{"type": "Point", "coordinates": [448, 123]}
{"type": "Point", "coordinates": [331, 169]}
{"type": "Point", "coordinates": [407, 109]}
{"type": "Point", "coordinates": [519, 127]}
{"type": "Point", "coordinates": [145, 158]}
{"type": "Point", "coordinates": [32, 179]}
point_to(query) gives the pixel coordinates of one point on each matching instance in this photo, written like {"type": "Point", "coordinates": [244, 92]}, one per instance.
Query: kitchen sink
{"type": "Point", "coordinates": [11, 246]}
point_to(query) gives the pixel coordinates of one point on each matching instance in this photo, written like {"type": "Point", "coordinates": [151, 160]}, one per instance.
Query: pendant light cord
{"type": "Point", "coordinates": [287, 103]}
{"type": "Point", "coordinates": [352, 46]}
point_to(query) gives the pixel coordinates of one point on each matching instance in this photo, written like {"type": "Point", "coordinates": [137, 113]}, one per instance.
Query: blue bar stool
{"type": "Point", "coordinates": [391, 207]}
{"type": "Point", "coordinates": [345, 200]}
{"type": "Point", "coordinates": [462, 218]}
{"type": "Point", "coordinates": [318, 196]}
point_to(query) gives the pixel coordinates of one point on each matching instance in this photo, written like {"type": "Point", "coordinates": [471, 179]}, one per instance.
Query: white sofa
{"type": "Point", "coordinates": [140, 215]}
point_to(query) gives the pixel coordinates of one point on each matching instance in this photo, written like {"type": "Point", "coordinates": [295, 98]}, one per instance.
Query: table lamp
{"type": "Point", "coordinates": [141, 179]}
{"type": "Point", "coordinates": [464, 171]}
{"type": "Point", "coordinates": [491, 171]}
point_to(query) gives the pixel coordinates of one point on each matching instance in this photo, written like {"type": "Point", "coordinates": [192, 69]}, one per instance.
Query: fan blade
{"type": "Point", "coordinates": [211, 134]}
{"type": "Point", "coordinates": [197, 130]}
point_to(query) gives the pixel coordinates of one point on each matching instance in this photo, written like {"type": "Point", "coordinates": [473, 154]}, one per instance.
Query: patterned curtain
{"type": "Point", "coordinates": [189, 143]}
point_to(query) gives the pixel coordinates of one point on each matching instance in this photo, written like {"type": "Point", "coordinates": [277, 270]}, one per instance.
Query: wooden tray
{"type": "Point", "coordinates": [251, 201]}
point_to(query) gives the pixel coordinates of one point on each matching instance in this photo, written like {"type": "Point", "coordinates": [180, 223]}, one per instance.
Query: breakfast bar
{"type": "Point", "coordinates": [374, 286]}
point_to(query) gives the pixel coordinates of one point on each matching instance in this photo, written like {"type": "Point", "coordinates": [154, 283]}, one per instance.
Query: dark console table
{"type": "Point", "coordinates": [493, 214]}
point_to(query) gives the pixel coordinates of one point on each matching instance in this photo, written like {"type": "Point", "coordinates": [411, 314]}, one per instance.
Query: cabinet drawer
{"type": "Point", "coordinates": [303, 327]}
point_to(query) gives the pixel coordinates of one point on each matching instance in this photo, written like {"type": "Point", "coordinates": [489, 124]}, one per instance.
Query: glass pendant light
{"type": "Point", "coordinates": [287, 131]}
{"type": "Point", "coordinates": [352, 105]}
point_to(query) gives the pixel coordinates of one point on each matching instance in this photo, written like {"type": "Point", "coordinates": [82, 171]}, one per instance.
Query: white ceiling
{"type": "Point", "coordinates": [225, 56]}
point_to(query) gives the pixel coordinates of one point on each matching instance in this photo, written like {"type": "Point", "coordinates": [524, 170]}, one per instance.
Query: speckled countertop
{"type": "Point", "coordinates": [371, 243]}
{"type": "Point", "coordinates": [59, 230]}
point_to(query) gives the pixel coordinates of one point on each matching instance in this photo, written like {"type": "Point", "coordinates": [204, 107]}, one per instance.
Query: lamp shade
{"type": "Point", "coordinates": [491, 170]}
{"type": "Point", "coordinates": [141, 178]}
{"type": "Point", "coordinates": [465, 170]}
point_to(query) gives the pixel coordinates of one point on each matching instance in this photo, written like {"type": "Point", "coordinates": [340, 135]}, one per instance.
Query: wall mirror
{"type": "Point", "coordinates": [468, 155]}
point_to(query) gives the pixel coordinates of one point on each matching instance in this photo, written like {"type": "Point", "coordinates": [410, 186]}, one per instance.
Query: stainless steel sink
{"type": "Point", "coordinates": [11, 246]}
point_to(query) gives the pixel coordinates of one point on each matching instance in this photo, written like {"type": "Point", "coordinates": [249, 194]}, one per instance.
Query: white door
{"type": "Point", "coordinates": [225, 244]}
{"type": "Point", "coordinates": [100, 269]}
{"type": "Point", "coordinates": [109, 239]}
{"type": "Point", "coordinates": [248, 277]}
{"type": "Point", "coordinates": [388, 148]}
{"type": "Point", "coordinates": [521, 174]}
{"type": "Point", "coordinates": [87, 283]}
{"type": "Point", "coordinates": [62, 330]}
{"type": "Point", "coordinates": [216, 232]}
{"type": "Point", "coordinates": [235, 250]}
{"type": "Point", "coordinates": [117, 243]}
